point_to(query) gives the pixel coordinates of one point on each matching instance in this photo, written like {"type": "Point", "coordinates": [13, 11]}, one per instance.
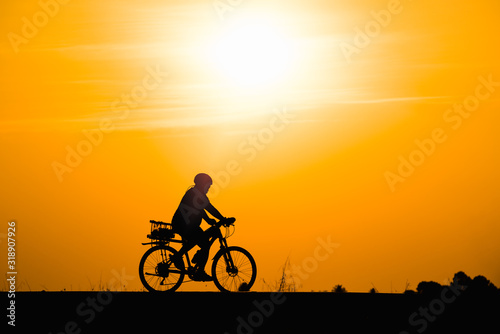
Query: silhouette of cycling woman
{"type": "Point", "coordinates": [187, 220]}
{"type": "Point", "coordinates": [162, 267]}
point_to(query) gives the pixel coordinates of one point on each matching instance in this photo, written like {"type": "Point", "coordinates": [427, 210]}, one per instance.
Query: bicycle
{"type": "Point", "coordinates": [233, 267]}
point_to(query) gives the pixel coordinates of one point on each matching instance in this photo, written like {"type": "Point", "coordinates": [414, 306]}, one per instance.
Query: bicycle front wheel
{"type": "Point", "coordinates": [156, 271]}
{"type": "Point", "coordinates": [234, 269]}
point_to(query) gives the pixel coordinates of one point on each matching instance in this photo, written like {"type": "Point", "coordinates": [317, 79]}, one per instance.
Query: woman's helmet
{"type": "Point", "coordinates": [202, 179]}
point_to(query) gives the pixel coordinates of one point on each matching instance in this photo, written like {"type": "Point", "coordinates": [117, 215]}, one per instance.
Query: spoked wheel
{"type": "Point", "coordinates": [156, 271]}
{"type": "Point", "coordinates": [234, 269]}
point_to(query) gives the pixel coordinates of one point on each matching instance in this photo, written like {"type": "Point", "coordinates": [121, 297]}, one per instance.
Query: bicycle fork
{"type": "Point", "coordinates": [230, 267]}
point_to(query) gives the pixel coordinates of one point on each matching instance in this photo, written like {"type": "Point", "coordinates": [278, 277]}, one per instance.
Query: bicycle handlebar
{"type": "Point", "coordinates": [226, 222]}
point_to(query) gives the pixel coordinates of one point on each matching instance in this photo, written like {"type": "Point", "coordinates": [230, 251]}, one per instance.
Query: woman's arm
{"type": "Point", "coordinates": [213, 211]}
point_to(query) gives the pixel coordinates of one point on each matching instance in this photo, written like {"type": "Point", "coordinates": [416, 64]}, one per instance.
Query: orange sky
{"type": "Point", "coordinates": [317, 109]}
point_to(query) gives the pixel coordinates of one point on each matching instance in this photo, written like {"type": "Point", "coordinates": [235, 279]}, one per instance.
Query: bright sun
{"type": "Point", "coordinates": [253, 53]}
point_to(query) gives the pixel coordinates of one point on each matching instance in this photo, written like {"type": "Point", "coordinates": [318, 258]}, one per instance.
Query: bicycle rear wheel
{"type": "Point", "coordinates": [234, 269]}
{"type": "Point", "coordinates": [156, 271]}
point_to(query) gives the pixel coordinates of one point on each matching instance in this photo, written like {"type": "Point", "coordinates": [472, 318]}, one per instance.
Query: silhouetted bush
{"type": "Point", "coordinates": [481, 285]}
{"type": "Point", "coordinates": [429, 288]}
{"type": "Point", "coordinates": [462, 280]}
{"type": "Point", "coordinates": [339, 289]}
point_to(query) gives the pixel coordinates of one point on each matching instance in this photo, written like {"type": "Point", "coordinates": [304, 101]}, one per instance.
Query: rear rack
{"type": "Point", "coordinates": [161, 233]}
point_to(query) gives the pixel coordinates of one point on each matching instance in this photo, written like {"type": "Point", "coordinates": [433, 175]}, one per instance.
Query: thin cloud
{"type": "Point", "coordinates": [430, 99]}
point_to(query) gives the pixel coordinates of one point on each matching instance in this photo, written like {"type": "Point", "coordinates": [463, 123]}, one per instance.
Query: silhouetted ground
{"type": "Point", "coordinates": [252, 312]}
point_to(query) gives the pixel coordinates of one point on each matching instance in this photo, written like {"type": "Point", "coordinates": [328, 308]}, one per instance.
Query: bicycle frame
{"type": "Point", "coordinates": [222, 241]}
{"type": "Point", "coordinates": [233, 268]}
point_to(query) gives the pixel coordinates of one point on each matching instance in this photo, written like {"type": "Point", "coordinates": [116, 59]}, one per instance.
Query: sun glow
{"type": "Point", "coordinates": [253, 53]}
{"type": "Point", "coordinates": [109, 109]}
